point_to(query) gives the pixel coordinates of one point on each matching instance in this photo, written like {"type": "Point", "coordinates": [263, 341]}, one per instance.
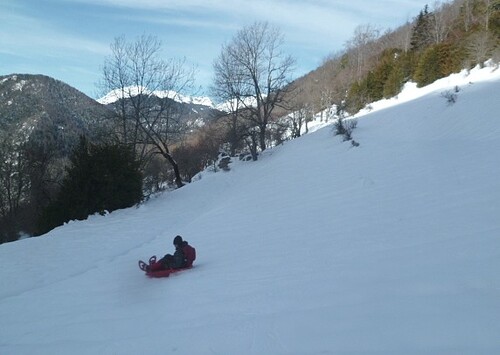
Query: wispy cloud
{"type": "Point", "coordinates": [313, 12]}
{"type": "Point", "coordinates": [178, 21]}
{"type": "Point", "coordinates": [28, 34]}
{"type": "Point", "coordinates": [306, 22]}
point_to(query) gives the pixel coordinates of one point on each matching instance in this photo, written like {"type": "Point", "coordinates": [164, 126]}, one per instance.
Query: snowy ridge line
{"type": "Point", "coordinates": [133, 91]}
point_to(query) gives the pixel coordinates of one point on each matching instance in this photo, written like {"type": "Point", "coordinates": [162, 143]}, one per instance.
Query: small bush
{"type": "Point", "coordinates": [344, 128]}
{"type": "Point", "coordinates": [450, 96]}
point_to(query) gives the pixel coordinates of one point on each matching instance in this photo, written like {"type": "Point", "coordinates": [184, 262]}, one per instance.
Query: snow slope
{"type": "Point", "coordinates": [392, 247]}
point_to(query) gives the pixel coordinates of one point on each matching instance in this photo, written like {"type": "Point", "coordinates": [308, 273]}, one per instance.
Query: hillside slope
{"type": "Point", "coordinates": [317, 248]}
{"type": "Point", "coordinates": [41, 108]}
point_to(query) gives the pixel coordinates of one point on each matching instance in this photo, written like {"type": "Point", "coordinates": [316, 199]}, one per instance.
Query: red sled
{"type": "Point", "coordinates": [166, 272]}
{"type": "Point", "coordinates": [155, 269]}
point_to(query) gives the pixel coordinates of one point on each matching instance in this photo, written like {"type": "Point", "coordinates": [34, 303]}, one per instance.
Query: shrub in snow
{"type": "Point", "coordinates": [344, 128]}
{"type": "Point", "coordinates": [245, 157]}
{"type": "Point", "coordinates": [224, 163]}
{"type": "Point", "coordinates": [451, 96]}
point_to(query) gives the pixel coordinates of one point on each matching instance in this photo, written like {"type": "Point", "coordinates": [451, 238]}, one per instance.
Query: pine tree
{"type": "Point", "coordinates": [428, 68]}
{"type": "Point", "coordinates": [394, 82]}
{"type": "Point", "coordinates": [421, 35]}
{"type": "Point", "coordinates": [100, 178]}
{"type": "Point", "coordinates": [437, 62]}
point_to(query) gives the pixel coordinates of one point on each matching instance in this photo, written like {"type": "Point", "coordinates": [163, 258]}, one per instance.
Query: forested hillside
{"type": "Point", "coordinates": [41, 120]}
{"type": "Point", "coordinates": [375, 63]}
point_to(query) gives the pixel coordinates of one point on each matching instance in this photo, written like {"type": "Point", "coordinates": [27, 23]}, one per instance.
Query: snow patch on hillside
{"type": "Point", "coordinates": [453, 82]}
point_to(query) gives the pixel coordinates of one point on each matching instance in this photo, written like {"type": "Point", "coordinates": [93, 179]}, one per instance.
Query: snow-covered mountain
{"type": "Point", "coordinates": [132, 91]}
{"type": "Point", "coordinates": [319, 247]}
{"type": "Point", "coordinates": [129, 92]}
{"type": "Point", "coordinates": [197, 110]}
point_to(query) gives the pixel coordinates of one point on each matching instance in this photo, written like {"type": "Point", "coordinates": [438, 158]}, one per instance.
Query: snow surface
{"type": "Point", "coordinates": [392, 247]}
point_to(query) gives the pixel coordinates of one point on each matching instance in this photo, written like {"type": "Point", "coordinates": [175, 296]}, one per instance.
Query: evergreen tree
{"type": "Point", "coordinates": [437, 62]}
{"type": "Point", "coordinates": [394, 82]}
{"type": "Point", "coordinates": [428, 68]}
{"type": "Point", "coordinates": [422, 34]}
{"type": "Point", "coordinates": [387, 64]}
{"type": "Point", "coordinates": [371, 87]}
{"type": "Point", "coordinates": [356, 97]}
{"type": "Point", "coordinates": [100, 178]}
{"type": "Point", "coordinates": [451, 57]}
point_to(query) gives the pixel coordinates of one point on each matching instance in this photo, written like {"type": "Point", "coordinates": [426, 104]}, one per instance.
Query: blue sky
{"type": "Point", "coordinates": [69, 39]}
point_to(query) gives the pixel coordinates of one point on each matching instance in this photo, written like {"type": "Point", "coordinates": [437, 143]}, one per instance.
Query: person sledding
{"type": "Point", "coordinates": [182, 258]}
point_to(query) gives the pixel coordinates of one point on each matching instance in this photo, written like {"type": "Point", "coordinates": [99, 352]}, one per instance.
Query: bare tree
{"type": "Point", "coordinates": [300, 118]}
{"type": "Point", "coordinates": [481, 46]}
{"type": "Point", "coordinates": [253, 71]}
{"type": "Point", "coordinates": [14, 179]}
{"type": "Point", "coordinates": [363, 46]}
{"type": "Point", "coordinates": [227, 83]}
{"type": "Point", "coordinates": [14, 186]}
{"type": "Point", "coordinates": [146, 87]}
{"type": "Point", "coordinates": [441, 21]}
{"type": "Point", "coordinates": [468, 14]}
{"type": "Point", "coordinates": [401, 37]}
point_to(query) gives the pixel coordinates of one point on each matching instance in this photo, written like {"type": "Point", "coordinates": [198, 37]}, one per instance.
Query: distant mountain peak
{"type": "Point", "coordinates": [132, 91]}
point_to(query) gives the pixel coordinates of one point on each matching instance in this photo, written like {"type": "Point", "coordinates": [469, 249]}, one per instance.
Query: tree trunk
{"type": "Point", "coordinates": [262, 137]}
{"type": "Point", "coordinates": [175, 166]}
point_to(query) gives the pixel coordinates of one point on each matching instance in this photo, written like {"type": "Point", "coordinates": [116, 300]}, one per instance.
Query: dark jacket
{"type": "Point", "coordinates": [179, 259]}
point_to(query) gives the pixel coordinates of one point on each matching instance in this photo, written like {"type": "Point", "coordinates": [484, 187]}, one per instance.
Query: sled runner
{"type": "Point", "coordinates": [166, 272]}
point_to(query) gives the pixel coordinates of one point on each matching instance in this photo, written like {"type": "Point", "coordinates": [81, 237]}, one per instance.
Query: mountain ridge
{"type": "Point", "coordinates": [41, 104]}
{"type": "Point", "coordinates": [128, 92]}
